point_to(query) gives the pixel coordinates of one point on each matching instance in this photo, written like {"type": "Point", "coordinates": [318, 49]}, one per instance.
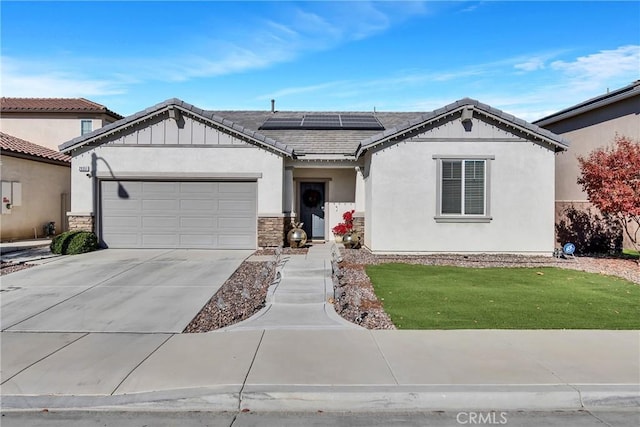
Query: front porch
{"type": "Point", "coordinates": [317, 194]}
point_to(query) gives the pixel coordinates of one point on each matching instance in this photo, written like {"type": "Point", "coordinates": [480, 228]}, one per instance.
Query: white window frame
{"type": "Point", "coordinates": [82, 122]}
{"type": "Point", "coordinates": [462, 217]}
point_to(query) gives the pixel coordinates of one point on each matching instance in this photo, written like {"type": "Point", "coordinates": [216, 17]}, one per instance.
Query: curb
{"type": "Point", "coordinates": [387, 398]}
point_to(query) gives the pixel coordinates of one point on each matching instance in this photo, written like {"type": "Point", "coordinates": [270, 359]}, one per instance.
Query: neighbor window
{"type": "Point", "coordinates": [463, 189]}
{"type": "Point", "coordinates": [86, 126]}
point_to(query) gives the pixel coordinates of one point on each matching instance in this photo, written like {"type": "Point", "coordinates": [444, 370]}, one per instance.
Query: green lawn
{"type": "Point", "coordinates": [631, 253]}
{"type": "Point", "coordinates": [428, 297]}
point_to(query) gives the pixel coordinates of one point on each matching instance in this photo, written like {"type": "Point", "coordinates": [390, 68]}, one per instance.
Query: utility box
{"type": "Point", "coordinates": [6, 198]}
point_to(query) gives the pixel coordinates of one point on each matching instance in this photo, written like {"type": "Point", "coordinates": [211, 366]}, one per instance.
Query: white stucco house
{"type": "Point", "coordinates": [466, 178]}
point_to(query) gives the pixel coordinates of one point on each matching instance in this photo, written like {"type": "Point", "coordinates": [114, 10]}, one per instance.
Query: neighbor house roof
{"type": "Point", "coordinates": [598, 102]}
{"type": "Point", "coordinates": [320, 144]}
{"type": "Point", "coordinates": [54, 105]}
{"type": "Point", "coordinates": [16, 147]}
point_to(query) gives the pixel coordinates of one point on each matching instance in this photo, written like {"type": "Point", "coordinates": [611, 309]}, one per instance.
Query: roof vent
{"type": "Point", "coordinates": [273, 105]}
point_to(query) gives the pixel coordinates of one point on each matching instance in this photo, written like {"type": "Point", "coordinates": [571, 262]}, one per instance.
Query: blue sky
{"type": "Point", "coordinates": [528, 58]}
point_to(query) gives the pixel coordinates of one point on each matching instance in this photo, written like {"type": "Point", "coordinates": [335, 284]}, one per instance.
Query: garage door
{"type": "Point", "coordinates": [159, 214]}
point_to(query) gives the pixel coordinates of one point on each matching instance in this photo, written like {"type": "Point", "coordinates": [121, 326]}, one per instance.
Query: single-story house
{"type": "Point", "coordinates": [466, 178]}
{"type": "Point", "coordinates": [36, 185]}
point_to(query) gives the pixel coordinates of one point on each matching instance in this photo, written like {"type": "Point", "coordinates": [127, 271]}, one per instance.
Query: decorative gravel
{"type": "Point", "coordinates": [10, 267]}
{"type": "Point", "coordinates": [357, 302]}
{"type": "Point", "coordinates": [240, 297]}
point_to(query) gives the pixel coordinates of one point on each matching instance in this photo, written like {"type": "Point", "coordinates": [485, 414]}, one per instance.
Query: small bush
{"type": "Point", "coordinates": [590, 232]}
{"type": "Point", "coordinates": [74, 242]}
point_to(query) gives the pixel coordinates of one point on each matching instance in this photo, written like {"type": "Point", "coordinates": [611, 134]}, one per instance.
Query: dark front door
{"type": "Point", "coordinates": [312, 209]}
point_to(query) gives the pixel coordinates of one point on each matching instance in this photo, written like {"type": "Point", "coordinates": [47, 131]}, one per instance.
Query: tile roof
{"type": "Point", "coordinates": [53, 105]}
{"type": "Point", "coordinates": [11, 144]}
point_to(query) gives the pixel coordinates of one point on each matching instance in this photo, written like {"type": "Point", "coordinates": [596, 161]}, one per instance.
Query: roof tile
{"type": "Point", "coordinates": [53, 105]}
{"type": "Point", "coordinates": [16, 145]}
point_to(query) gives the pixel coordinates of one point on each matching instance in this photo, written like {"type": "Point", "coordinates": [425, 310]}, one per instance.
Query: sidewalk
{"type": "Point", "coordinates": [296, 355]}
{"type": "Point", "coordinates": [329, 370]}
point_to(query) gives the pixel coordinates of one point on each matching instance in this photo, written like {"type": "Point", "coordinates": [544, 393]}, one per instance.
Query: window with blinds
{"type": "Point", "coordinates": [463, 187]}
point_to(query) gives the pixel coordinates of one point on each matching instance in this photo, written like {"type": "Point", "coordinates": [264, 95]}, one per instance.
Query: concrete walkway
{"type": "Point", "coordinates": [300, 299]}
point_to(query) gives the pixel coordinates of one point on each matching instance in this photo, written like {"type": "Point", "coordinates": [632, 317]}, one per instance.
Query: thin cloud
{"type": "Point", "coordinates": [22, 79]}
{"type": "Point", "coordinates": [598, 68]}
{"type": "Point", "coordinates": [307, 28]}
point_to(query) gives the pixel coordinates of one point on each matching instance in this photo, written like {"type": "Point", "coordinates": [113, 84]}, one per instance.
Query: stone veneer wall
{"type": "Point", "coordinates": [358, 226]}
{"type": "Point", "coordinates": [272, 231]}
{"type": "Point", "coordinates": [81, 222]}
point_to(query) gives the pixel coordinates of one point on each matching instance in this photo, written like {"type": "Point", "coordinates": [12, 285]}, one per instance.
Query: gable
{"type": "Point", "coordinates": [467, 120]}
{"type": "Point", "coordinates": [175, 123]}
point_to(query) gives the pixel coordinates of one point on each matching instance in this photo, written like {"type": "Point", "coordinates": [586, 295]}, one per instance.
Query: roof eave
{"type": "Point", "coordinates": [559, 144]}
{"type": "Point", "coordinates": [592, 104]}
{"type": "Point", "coordinates": [174, 103]}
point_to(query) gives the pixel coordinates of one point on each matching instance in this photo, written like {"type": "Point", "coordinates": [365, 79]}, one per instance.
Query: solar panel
{"type": "Point", "coordinates": [324, 122]}
{"type": "Point", "coordinates": [368, 122]}
{"type": "Point", "coordinates": [321, 121]}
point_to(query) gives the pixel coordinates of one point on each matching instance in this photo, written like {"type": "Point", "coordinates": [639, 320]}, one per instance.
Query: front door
{"type": "Point", "coordinates": [312, 209]}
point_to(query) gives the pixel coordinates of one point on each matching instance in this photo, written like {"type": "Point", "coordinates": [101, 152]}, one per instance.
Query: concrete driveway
{"type": "Point", "coordinates": [115, 290]}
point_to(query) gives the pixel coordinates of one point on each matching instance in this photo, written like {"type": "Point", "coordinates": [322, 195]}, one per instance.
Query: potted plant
{"type": "Point", "coordinates": [343, 231]}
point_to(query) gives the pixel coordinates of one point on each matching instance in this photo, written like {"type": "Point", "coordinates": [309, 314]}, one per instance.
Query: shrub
{"type": "Point", "coordinates": [74, 242]}
{"type": "Point", "coordinates": [590, 232]}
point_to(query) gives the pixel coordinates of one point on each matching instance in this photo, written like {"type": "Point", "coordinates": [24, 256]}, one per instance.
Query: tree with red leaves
{"type": "Point", "coordinates": [611, 179]}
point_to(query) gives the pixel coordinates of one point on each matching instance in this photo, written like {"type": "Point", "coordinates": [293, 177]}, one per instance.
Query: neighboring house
{"type": "Point", "coordinates": [51, 121]}
{"type": "Point", "coordinates": [35, 188]}
{"type": "Point", "coordinates": [465, 178]}
{"type": "Point", "coordinates": [590, 125]}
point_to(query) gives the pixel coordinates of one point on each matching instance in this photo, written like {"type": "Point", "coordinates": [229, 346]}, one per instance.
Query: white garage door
{"type": "Point", "coordinates": [159, 214]}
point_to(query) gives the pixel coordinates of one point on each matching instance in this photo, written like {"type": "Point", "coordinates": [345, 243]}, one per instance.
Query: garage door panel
{"type": "Point", "coordinates": [156, 204]}
{"type": "Point", "coordinates": [129, 240]}
{"type": "Point", "coordinates": [160, 187]}
{"type": "Point", "coordinates": [160, 240]}
{"type": "Point", "coordinates": [207, 205]}
{"type": "Point", "coordinates": [152, 222]}
{"type": "Point", "coordinates": [199, 223]}
{"type": "Point", "coordinates": [123, 221]}
{"type": "Point", "coordinates": [236, 187]}
{"type": "Point", "coordinates": [236, 223]}
{"type": "Point", "coordinates": [198, 240]}
{"type": "Point", "coordinates": [179, 214]}
{"type": "Point", "coordinates": [198, 188]}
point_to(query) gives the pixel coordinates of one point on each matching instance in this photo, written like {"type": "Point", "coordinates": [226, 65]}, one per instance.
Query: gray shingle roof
{"type": "Point", "coordinates": [426, 118]}
{"type": "Point", "coordinates": [591, 104]}
{"type": "Point", "coordinates": [309, 142]}
{"type": "Point", "coordinates": [233, 127]}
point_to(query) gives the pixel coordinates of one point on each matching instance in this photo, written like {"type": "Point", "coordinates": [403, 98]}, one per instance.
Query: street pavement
{"type": "Point", "coordinates": [579, 418]}
{"type": "Point", "coordinates": [271, 367]}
